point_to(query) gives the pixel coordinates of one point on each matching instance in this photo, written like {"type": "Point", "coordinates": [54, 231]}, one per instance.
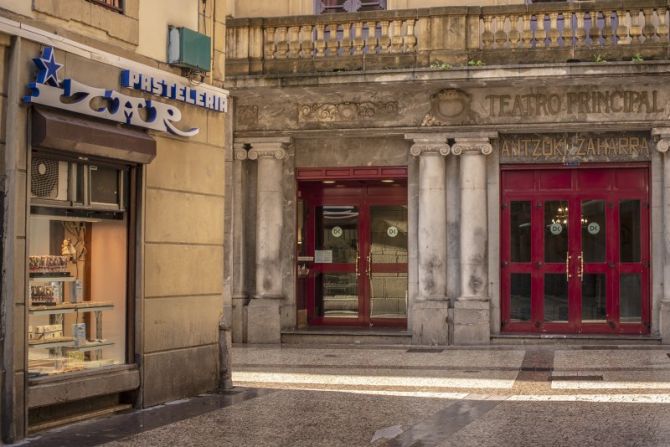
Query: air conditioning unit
{"type": "Point", "coordinates": [49, 179]}
{"type": "Point", "coordinates": [189, 49]}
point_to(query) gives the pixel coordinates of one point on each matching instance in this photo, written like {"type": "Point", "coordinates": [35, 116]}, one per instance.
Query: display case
{"type": "Point", "coordinates": [77, 292]}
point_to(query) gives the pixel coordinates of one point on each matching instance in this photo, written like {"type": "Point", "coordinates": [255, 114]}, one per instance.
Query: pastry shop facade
{"type": "Point", "coordinates": [104, 158]}
{"type": "Point", "coordinates": [461, 206]}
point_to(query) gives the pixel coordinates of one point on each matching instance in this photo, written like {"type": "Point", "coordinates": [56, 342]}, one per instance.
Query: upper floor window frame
{"type": "Point", "coordinates": [335, 6]}
{"type": "Point", "coordinates": [114, 5]}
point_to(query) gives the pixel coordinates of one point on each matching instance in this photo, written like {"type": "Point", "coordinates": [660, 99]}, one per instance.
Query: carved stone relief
{"type": "Point", "coordinates": [346, 111]}
{"type": "Point", "coordinates": [449, 106]}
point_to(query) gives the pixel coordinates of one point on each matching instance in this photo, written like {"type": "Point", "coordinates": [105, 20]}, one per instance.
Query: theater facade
{"type": "Point", "coordinates": [458, 175]}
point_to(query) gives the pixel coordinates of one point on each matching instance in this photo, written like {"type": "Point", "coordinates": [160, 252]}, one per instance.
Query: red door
{"type": "Point", "coordinates": [575, 250]}
{"type": "Point", "coordinates": [356, 250]}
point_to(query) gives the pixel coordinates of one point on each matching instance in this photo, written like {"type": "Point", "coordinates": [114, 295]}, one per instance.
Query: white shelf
{"type": "Point", "coordinates": [53, 279]}
{"type": "Point", "coordinates": [68, 308]}
{"type": "Point", "coordinates": [62, 342]}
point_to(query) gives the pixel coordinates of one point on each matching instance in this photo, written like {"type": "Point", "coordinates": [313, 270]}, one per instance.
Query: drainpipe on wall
{"type": "Point", "coordinates": [8, 291]}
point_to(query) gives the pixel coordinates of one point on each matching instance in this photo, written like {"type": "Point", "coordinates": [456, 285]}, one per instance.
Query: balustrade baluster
{"type": "Point", "coordinates": [500, 36]}
{"type": "Point", "coordinates": [554, 34]}
{"type": "Point", "coordinates": [567, 29]}
{"type": "Point", "coordinates": [649, 30]}
{"type": "Point", "coordinates": [514, 36]}
{"type": "Point", "coordinates": [527, 33]}
{"type": "Point", "coordinates": [281, 43]}
{"type": "Point", "coordinates": [596, 31]}
{"type": "Point", "coordinates": [332, 43]}
{"type": "Point", "coordinates": [372, 40]}
{"type": "Point", "coordinates": [487, 35]}
{"type": "Point", "coordinates": [580, 32]}
{"type": "Point", "coordinates": [608, 32]}
{"type": "Point", "coordinates": [410, 38]}
{"type": "Point", "coordinates": [662, 28]}
{"type": "Point", "coordinates": [395, 34]}
{"type": "Point", "coordinates": [358, 41]}
{"type": "Point", "coordinates": [320, 42]}
{"type": "Point", "coordinates": [635, 28]}
{"type": "Point", "coordinates": [307, 41]}
{"type": "Point", "coordinates": [347, 39]}
{"type": "Point", "coordinates": [269, 49]}
{"type": "Point", "coordinates": [293, 42]}
{"type": "Point", "coordinates": [541, 33]}
{"type": "Point", "coordinates": [622, 28]}
{"type": "Point", "coordinates": [384, 40]}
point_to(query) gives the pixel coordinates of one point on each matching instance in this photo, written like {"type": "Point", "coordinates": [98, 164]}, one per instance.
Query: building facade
{"type": "Point", "coordinates": [465, 174]}
{"type": "Point", "coordinates": [114, 154]}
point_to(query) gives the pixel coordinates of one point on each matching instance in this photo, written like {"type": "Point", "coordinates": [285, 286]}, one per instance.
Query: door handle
{"type": "Point", "coordinates": [581, 266]}
{"type": "Point", "coordinates": [567, 266]}
{"type": "Point", "coordinates": [369, 272]}
{"type": "Point", "coordinates": [358, 273]}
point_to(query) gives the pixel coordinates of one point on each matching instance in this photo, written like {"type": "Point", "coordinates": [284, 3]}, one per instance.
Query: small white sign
{"type": "Point", "coordinates": [323, 256]}
{"type": "Point", "coordinates": [556, 229]}
{"type": "Point", "coordinates": [593, 228]}
{"type": "Point", "coordinates": [337, 231]}
{"type": "Point", "coordinates": [392, 231]}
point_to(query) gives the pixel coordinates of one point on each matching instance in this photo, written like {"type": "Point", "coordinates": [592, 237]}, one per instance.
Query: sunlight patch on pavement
{"type": "Point", "coordinates": [596, 398]}
{"type": "Point", "coordinates": [607, 385]}
{"type": "Point", "coordinates": [369, 380]}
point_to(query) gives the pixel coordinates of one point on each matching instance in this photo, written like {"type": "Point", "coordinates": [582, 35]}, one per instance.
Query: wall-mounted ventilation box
{"type": "Point", "coordinates": [189, 49]}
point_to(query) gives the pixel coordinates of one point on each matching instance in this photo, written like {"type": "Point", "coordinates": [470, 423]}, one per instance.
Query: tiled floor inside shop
{"type": "Point", "coordinates": [393, 396]}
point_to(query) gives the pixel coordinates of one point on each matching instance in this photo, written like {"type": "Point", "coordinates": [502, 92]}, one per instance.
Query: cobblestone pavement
{"type": "Point", "coordinates": [393, 396]}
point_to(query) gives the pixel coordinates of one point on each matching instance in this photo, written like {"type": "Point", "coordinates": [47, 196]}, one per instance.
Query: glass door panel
{"type": "Point", "coordinates": [556, 225]}
{"type": "Point", "coordinates": [555, 298]}
{"type": "Point", "coordinates": [386, 262]}
{"type": "Point", "coordinates": [336, 256]}
{"type": "Point", "coordinates": [630, 296]}
{"type": "Point", "coordinates": [594, 298]}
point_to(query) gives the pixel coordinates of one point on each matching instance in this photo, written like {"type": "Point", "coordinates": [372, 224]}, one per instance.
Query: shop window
{"type": "Point", "coordinates": [112, 4]}
{"type": "Point", "coordinates": [330, 6]}
{"type": "Point", "coordinates": [78, 265]}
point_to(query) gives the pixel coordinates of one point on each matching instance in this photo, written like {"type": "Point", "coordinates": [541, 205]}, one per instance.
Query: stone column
{"type": "Point", "coordinates": [471, 309]}
{"type": "Point", "coordinates": [238, 259]}
{"type": "Point", "coordinates": [263, 311]}
{"type": "Point", "coordinates": [429, 313]}
{"type": "Point", "coordinates": [662, 145]}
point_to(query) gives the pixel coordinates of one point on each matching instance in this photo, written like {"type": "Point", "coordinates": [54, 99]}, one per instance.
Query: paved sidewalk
{"type": "Point", "coordinates": [364, 396]}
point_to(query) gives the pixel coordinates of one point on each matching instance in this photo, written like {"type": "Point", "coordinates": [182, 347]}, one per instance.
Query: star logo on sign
{"type": "Point", "coordinates": [48, 67]}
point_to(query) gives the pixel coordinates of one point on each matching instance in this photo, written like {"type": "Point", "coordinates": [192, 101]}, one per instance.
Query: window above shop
{"type": "Point", "coordinates": [333, 6]}
{"type": "Point", "coordinates": [112, 4]}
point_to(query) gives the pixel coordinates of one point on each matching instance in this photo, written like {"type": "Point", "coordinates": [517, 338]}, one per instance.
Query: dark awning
{"type": "Point", "coordinates": [73, 133]}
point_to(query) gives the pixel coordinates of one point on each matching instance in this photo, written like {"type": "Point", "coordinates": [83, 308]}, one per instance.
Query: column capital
{"type": "Point", "coordinates": [255, 148]}
{"type": "Point", "coordinates": [428, 144]}
{"type": "Point", "coordinates": [662, 137]}
{"type": "Point", "coordinates": [471, 146]}
{"type": "Point", "coordinates": [240, 151]}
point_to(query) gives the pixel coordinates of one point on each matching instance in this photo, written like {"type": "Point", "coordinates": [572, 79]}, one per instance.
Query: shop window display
{"type": "Point", "coordinates": [77, 267]}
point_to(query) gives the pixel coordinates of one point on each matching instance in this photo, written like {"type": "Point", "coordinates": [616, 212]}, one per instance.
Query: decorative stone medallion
{"type": "Point", "coordinates": [449, 106]}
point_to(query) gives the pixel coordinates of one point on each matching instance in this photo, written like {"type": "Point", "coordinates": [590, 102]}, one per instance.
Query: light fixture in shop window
{"type": "Point", "coordinates": [328, 182]}
{"type": "Point", "coordinates": [388, 180]}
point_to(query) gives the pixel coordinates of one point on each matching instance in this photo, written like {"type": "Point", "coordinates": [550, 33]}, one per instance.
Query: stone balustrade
{"type": "Point", "coordinates": [449, 37]}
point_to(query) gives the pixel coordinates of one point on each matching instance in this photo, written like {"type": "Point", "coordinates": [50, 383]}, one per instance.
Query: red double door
{"type": "Point", "coordinates": [354, 247]}
{"type": "Point", "coordinates": [575, 250]}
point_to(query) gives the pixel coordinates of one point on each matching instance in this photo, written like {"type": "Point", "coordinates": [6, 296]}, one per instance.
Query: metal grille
{"type": "Point", "coordinates": [44, 178]}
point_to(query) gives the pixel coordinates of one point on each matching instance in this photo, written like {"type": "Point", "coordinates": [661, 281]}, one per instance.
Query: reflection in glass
{"type": "Point", "coordinates": [388, 295]}
{"type": "Point", "coordinates": [337, 232]}
{"type": "Point", "coordinates": [339, 295]}
{"type": "Point", "coordinates": [594, 231]}
{"type": "Point", "coordinates": [630, 293]}
{"type": "Point", "coordinates": [520, 231]}
{"type": "Point", "coordinates": [388, 229]}
{"type": "Point", "coordinates": [594, 297]}
{"type": "Point", "coordinates": [520, 297]}
{"type": "Point", "coordinates": [555, 231]}
{"type": "Point", "coordinates": [555, 297]}
{"type": "Point", "coordinates": [629, 218]}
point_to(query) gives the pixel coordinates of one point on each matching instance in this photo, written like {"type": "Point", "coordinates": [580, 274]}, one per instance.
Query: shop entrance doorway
{"type": "Point", "coordinates": [352, 243]}
{"type": "Point", "coordinates": [575, 252]}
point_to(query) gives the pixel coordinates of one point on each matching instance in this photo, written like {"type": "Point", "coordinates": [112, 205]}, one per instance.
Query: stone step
{"type": "Point", "coordinates": [347, 337]}
{"type": "Point", "coordinates": [575, 339]}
